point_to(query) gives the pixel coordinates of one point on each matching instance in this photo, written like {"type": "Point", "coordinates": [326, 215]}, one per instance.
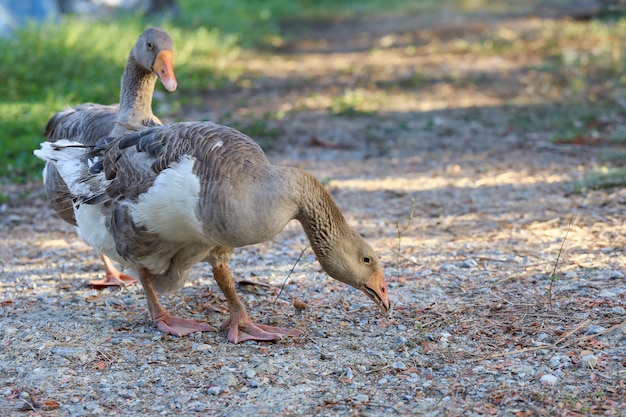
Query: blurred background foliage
{"type": "Point", "coordinates": [47, 67]}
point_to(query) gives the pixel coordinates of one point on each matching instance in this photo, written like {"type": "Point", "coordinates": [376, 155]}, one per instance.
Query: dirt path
{"type": "Point", "coordinates": [401, 119]}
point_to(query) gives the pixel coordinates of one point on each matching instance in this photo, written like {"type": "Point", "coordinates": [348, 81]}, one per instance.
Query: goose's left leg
{"type": "Point", "coordinates": [113, 278]}
{"type": "Point", "coordinates": [166, 323]}
{"type": "Point", "coordinates": [240, 326]}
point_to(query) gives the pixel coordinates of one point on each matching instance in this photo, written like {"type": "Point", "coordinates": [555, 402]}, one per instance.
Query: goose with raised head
{"type": "Point", "coordinates": [150, 58]}
{"type": "Point", "coordinates": [161, 199]}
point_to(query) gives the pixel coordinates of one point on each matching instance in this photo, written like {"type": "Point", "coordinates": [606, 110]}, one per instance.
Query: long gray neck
{"type": "Point", "coordinates": [320, 217]}
{"type": "Point", "coordinates": [136, 92]}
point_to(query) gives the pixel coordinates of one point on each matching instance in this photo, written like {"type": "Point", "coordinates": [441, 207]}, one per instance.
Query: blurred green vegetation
{"type": "Point", "coordinates": [46, 68]}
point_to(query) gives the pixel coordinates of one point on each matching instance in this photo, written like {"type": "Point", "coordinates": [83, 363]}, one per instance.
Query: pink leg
{"type": "Point", "coordinates": [162, 319]}
{"type": "Point", "coordinates": [113, 278]}
{"type": "Point", "coordinates": [240, 326]}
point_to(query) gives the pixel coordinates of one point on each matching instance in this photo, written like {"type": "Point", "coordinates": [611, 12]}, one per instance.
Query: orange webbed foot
{"type": "Point", "coordinates": [179, 327]}
{"type": "Point", "coordinates": [113, 280]}
{"type": "Point", "coordinates": [242, 329]}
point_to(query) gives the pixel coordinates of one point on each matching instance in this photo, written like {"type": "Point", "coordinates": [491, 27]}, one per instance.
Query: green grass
{"type": "Point", "coordinates": [350, 103]}
{"type": "Point", "coordinates": [605, 177]}
{"type": "Point", "coordinates": [48, 67]}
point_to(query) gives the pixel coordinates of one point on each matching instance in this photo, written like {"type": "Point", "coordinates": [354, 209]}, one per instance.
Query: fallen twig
{"type": "Point", "coordinates": [605, 331]}
{"type": "Point", "coordinates": [574, 330]}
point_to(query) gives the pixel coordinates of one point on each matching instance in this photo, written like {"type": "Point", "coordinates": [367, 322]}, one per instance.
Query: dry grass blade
{"type": "Point", "coordinates": [400, 231]}
{"type": "Point", "coordinates": [600, 333]}
{"type": "Point", "coordinates": [282, 287]}
{"type": "Point", "coordinates": [553, 276]}
{"type": "Point", "coordinates": [571, 332]}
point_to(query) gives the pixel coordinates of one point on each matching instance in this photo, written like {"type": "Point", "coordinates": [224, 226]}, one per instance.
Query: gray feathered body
{"type": "Point", "coordinates": [178, 194]}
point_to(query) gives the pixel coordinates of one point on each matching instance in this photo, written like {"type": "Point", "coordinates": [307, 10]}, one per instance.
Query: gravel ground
{"type": "Point", "coordinates": [471, 217]}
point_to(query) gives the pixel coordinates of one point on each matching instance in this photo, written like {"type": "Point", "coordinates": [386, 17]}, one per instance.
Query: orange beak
{"type": "Point", "coordinates": [164, 68]}
{"type": "Point", "coordinates": [376, 289]}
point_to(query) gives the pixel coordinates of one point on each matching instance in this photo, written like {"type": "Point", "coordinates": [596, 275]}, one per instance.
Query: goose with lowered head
{"type": "Point", "coordinates": [161, 199]}
{"type": "Point", "coordinates": [150, 58]}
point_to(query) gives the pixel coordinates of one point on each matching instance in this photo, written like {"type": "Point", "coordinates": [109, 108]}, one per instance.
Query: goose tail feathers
{"type": "Point", "coordinates": [72, 160]}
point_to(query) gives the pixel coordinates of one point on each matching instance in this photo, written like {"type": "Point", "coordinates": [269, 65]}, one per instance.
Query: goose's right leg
{"type": "Point", "coordinates": [240, 326]}
{"type": "Point", "coordinates": [166, 323]}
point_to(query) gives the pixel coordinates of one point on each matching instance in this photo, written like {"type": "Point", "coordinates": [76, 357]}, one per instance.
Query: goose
{"type": "Point", "coordinates": [151, 57]}
{"type": "Point", "coordinates": [161, 199]}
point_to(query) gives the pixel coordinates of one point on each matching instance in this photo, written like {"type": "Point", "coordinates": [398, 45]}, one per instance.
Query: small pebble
{"type": "Point", "coordinates": [558, 361]}
{"type": "Point", "coordinates": [588, 360]}
{"type": "Point", "coordinates": [70, 353]}
{"type": "Point", "coordinates": [361, 398]}
{"type": "Point", "coordinates": [93, 406]}
{"type": "Point", "coordinates": [227, 380]}
{"type": "Point", "coordinates": [197, 406]}
{"type": "Point", "coordinates": [548, 379]}
{"type": "Point", "coordinates": [201, 347]}
{"type": "Point", "coordinates": [127, 394]}
{"type": "Point", "coordinates": [479, 369]}
{"type": "Point", "coordinates": [214, 390]}
{"type": "Point", "coordinates": [401, 340]}
{"type": "Point", "coordinates": [113, 302]}
{"type": "Point", "coordinates": [469, 263]}
{"type": "Point", "coordinates": [594, 329]}
{"type": "Point", "coordinates": [618, 310]}
{"type": "Point", "coordinates": [448, 267]}
{"type": "Point", "coordinates": [443, 340]}
{"type": "Point", "coordinates": [183, 398]}
{"type": "Point", "coordinates": [449, 370]}
{"type": "Point", "coordinates": [542, 336]}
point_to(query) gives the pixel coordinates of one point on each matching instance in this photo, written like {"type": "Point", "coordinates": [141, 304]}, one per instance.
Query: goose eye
{"type": "Point", "coordinates": [367, 260]}
{"type": "Point", "coordinates": [149, 45]}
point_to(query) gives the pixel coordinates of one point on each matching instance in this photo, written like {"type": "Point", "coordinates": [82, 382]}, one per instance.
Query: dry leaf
{"type": "Point", "coordinates": [48, 405]}
{"type": "Point", "coordinates": [299, 304]}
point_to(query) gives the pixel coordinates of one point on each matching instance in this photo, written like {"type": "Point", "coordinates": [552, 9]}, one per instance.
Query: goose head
{"type": "Point", "coordinates": [154, 51]}
{"type": "Point", "coordinates": [352, 261]}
